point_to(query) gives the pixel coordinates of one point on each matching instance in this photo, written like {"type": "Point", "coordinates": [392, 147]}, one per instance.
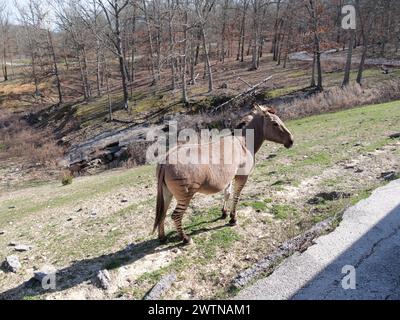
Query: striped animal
{"type": "Point", "coordinates": [183, 180]}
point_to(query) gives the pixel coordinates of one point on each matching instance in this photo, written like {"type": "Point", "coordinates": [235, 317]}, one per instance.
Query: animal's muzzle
{"type": "Point", "coordinates": [289, 144]}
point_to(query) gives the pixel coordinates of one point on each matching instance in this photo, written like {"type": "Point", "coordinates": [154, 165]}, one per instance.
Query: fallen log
{"type": "Point", "coordinates": [243, 94]}
{"type": "Point", "coordinates": [298, 244]}
{"type": "Point", "coordinates": [161, 287]}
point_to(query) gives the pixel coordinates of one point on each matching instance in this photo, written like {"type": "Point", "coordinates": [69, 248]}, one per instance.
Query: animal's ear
{"type": "Point", "coordinates": [266, 110]}
{"type": "Point", "coordinates": [259, 108]}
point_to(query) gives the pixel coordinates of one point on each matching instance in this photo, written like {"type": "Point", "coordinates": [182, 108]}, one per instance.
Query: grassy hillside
{"type": "Point", "coordinates": [105, 221]}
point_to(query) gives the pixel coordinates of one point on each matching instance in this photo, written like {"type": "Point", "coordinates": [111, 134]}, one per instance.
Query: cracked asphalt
{"type": "Point", "coordinates": [363, 252]}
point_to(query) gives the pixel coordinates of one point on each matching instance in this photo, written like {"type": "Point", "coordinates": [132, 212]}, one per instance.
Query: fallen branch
{"type": "Point", "coordinates": [161, 287]}
{"type": "Point", "coordinates": [300, 244]}
{"type": "Point", "coordinates": [248, 92]}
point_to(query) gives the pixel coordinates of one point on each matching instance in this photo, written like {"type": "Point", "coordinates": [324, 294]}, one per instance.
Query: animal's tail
{"type": "Point", "coordinates": [160, 210]}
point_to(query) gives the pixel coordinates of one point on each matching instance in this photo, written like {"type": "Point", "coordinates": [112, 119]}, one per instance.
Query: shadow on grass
{"type": "Point", "coordinates": [86, 270]}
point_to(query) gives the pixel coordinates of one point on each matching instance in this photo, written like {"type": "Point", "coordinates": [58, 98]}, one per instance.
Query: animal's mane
{"type": "Point", "coordinates": [247, 118]}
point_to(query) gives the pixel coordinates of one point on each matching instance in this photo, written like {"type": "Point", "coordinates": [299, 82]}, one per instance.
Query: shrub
{"type": "Point", "coordinates": [67, 179]}
{"type": "Point", "coordinates": [18, 140]}
{"type": "Point", "coordinates": [338, 98]}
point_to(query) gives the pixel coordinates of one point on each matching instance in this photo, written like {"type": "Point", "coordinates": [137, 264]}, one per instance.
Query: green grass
{"type": "Point", "coordinates": [81, 189]}
{"type": "Point", "coordinates": [207, 245]}
{"type": "Point", "coordinates": [298, 74]}
{"type": "Point", "coordinates": [320, 142]}
{"type": "Point", "coordinates": [283, 211]}
{"type": "Point", "coordinates": [323, 140]}
{"type": "Point", "coordinates": [256, 205]}
{"type": "Point", "coordinates": [281, 92]}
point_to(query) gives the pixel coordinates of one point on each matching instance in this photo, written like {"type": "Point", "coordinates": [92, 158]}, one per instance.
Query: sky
{"type": "Point", "coordinates": [13, 10]}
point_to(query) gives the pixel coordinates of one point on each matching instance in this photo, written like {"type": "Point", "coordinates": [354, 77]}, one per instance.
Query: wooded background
{"type": "Point", "coordinates": [106, 45]}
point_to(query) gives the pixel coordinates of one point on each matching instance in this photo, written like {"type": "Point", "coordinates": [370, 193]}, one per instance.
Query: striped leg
{"type": "Point", "coordinates": [227, 195]}
{"type": "Point", "coordinates": [167, 203]}
{"type": "Point", "coordinates": [177, 217]}
{"type": "Point", "coordinates": [240, 182]}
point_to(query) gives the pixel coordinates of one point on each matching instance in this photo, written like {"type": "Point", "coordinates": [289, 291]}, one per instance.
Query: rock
{"type": "Point", "coordinates": [161, 287]}
{"type": "Point", "coordinates": [331, 196]}
{"type": "Point", "coordinates": [395, 136]}
{"type": "Point", "coordinates": [69, 219]}
{"type": "Point", "coordinates": [44, 272]}
{"type": "Point", "coordinates": [13, 244]}
{"type": "Point", "coordinates": [2, 232]}
{"type": "Point", "coordinates": [63, 142]}
{"type": "Point", "coordinates": [12, 264]}
{"type": "Point", "coordinates": [104, 279]}
{"type": "Point", "coordinates": [389, 176]}
{"type": "Point", "coordinates": [22, 248]}
{"type": "Point", "coordinates": [79, 210]}
{"type": "Point", "coordinates": [124, 201]}
{"type": "Point", "coordinates": [121, 153]}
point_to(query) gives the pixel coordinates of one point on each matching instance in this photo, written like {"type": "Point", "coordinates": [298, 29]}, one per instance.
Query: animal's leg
{"type": "Point", "coordinates": [177, 217]}
{"type": "Point", "coordinates": [227, 195]}
{"type": "Point", "coordinates": [167, 202]}
{"type": "Point", "coordinates": [240, 182]}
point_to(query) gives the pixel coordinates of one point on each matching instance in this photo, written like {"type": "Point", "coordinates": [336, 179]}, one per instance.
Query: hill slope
{"type": "Point", "coordinates": [104, 221]}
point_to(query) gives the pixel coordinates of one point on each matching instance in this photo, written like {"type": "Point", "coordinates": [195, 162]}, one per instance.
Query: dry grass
{"type": "Point", "coordinates": [20, 141]}
{"type": "Point", "coordinates": [338, 98]}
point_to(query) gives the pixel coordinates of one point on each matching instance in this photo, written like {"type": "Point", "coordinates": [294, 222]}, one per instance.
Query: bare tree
{"type": "Point", "coordinates": [113, 10]}
{"type": "Point", "coordinates": [313, 11]}
{"type": "Point", "coordinates": [4, 33]}
{"type": "Point", "coordinates": [203, 9]}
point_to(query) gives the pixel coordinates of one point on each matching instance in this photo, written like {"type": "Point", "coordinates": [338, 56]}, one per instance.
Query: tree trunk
{"type": "Point", "coordinates": [184, 59]}
{"type": "Point", "coordinates": [208, 62]}
{"type": "Point", "coordinates": [347, 70]}
{"type": "Point", "coordinates": [172, 46]}
{"type": "Point", "coordinates": [150, 38]}
{"type": "Point", "coordinates": [313, 71]}
{"type": "Point", "coordinates": [55, 66]}
{"type": "Point", "coordinates": [276, 28]}
{"type": "Point", "coordinates": [5, 71]}
{"type": "Point", "coordinates": [223, 31]}
{"type": "Point", "coordinates": [254, 64]}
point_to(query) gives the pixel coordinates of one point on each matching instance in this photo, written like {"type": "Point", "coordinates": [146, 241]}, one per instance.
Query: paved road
{"type": "Point", "coordinates": [367, 239]}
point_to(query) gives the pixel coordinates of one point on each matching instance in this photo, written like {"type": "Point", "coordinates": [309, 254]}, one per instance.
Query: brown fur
{"type": "Point", "coordinates": [183, 181]}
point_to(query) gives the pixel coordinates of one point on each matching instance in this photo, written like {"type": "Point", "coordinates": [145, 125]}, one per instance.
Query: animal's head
{"type": "Point", "coordinates": [274, 128]}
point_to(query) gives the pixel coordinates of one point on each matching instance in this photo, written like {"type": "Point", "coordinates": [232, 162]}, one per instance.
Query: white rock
{"type": "Point", "coordinates": [104, 279]}
{"type": "Point", "coordinates": [22, 248]}
{"type": "Point", "coordinates": [12, 264]}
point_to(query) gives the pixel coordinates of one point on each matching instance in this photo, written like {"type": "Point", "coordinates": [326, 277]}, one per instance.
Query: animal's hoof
{"type": "Point", "coordinates": [163, 240]}
{"type": "Point", "coordinates": [187, 241]}
{"type": "Point", "coordinates": [233, 222]}
{"type": "Point", "coordinates": [224, 215]}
